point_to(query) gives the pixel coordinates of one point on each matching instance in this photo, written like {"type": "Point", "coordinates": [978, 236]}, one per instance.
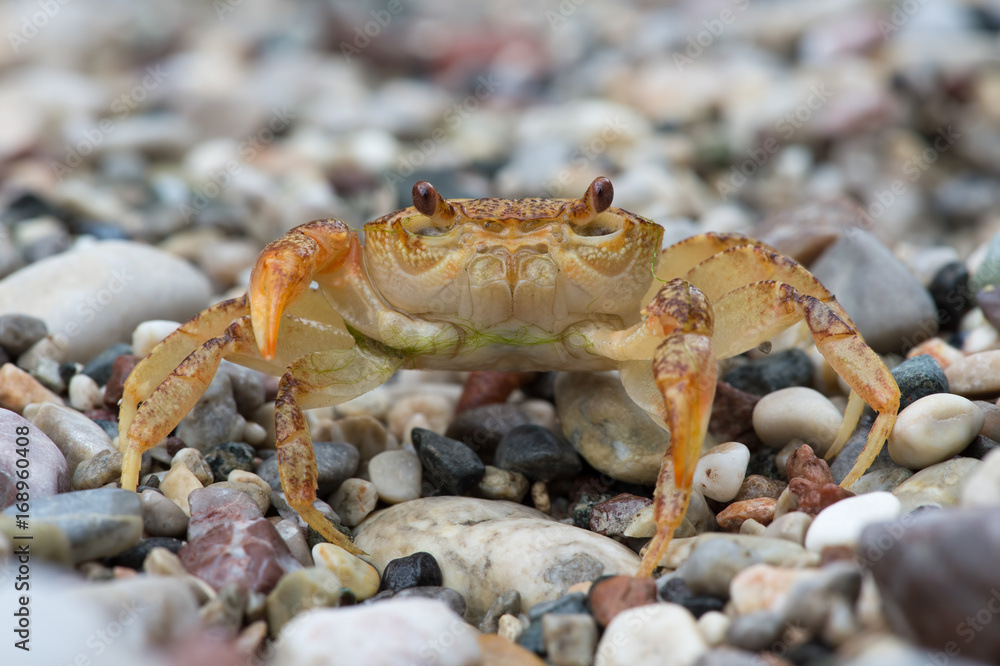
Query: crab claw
{"type": "Point", "coordinates": [286, 268]}
{"type": "Point", "coordinates": [594, 201]}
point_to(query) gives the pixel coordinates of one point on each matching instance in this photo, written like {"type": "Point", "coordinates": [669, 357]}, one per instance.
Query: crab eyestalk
{"type": "Point", "coordinates": [594, 201]}
{"type": "Point", "coordinates": [428, 201]}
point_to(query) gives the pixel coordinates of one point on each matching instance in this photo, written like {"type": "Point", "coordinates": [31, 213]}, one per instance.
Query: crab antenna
{"type": "Point", "coordinates": [594, 201]}
{"type": "Point", "coordinates": [429, 202]}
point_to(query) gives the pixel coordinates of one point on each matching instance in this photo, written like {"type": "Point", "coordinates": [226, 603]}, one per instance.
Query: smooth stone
{"type": "Point", "coordinates": [413, 570]}
{"type": "Point", "coordinates": [608, 429]}
{"type": "Point", "coordinates": [84, 393]}
{"type": "Point", "coordinates": [762, 587]}
{"type": "Point", "coordinates": [102, 469]}
{"type": "Point", "coordinates": [367, 434]}
{"type": "Point", "coordinates": [214, 418]}
{"type": "Point", "coordinates": [569, 638]}
{"type": "Point", "coordinates": [708, 562]}
{"type": "Point", "coordinates": [886, 480]}
{"type": "Point", "coordinates": [135, 556]}
{"type": "Point", "coordinates": [299, 591]}
{"type": "Point", "coordinates": [486, 548]}
{"type": "Point", "coordinates": [537, 453]}
{"type": "Point", "coordinates": [98, 523]}
{"type": "Point", "coordinates": [47, 468]}
{"type": "Point", "coordinates": [610, 595]}
{"type": "Point", "coordinates": [654, 635]}
{"type": "Point", "coordinates": [612, 517]}
{"type": "Point", "coordinates": [919, 377]}
{"type": "Point", "coordinates": [396, 475]}
{"type": "Point", "coordinates": [951, 293]}
{"type": "Point", "coordinates": [938, 485]}
{"type": "Point", "coordinates": [404, 631]}
{"type": "Point", "coordinates": [721, 470]}
{"type": "Point", "coordinates": [195, 463]}
{"type": "Point", "coordinates": [771, 373]}
{"type": "Point", "coordinates": [841, 524]}
{"type": "Point", "coordinates": [760, 511]}
{"type": "Point", "coordinates": [48, 542]}
{"type": "Point", "coordinates": [18, 332]}
{"type": "Point", "coordinates": [99, 367]}
{"type": "Point", "coordinates": [975, 374]}
{"type": "Point", "coordinates": [936, 573]}
{"type": "Point", "coordinates": [248, 387]}
{"type": "Point", "coordinates": [77, 437]}
{"type": "Point", "coordinates": [502, 484]}
{"type": "Point", "coordinates": [150, 333]}
{"type": "Point", "coordinates": [295, 538]}
{"type": "Point", "coordinates": [482, 428]}
{"type": "Point", "coordinates": [713, 626]}
{"type": "Point", "coordinates": [354, 500]}
{"type": "Point", "coordinates": [230, 542]}
{"type": "Point", "coordinates": [18, 389]}
{"type": "Point", "coordinates": [354, 573]}
{"type": "Point", "coordinates": [260, 497]}
{"type": "Point", "coordinates": [161, 516]}
{"type": "Point", "coordinates": [933, 429]}
{"type": "Point", "coordinates": [797, 413]}
{"type": "Point", "coordinates": [227, 457]}
{"type": "Point", "coordinates": [890, 307]}
{"type": "Point", "coordinates": [792, 527]}
{"type": "Point", "coordinates": [848, 456]}
{"type": "Point", "coordinates": [755, 631]}
{"type": "Point", "coordinates": [437, 409]}
{"type": "Point", "coordinates": [178, 485]}
{"type": "Point", "coordinates": [140, 281]}
{"type": "Point", "coordinates": [448, 464]}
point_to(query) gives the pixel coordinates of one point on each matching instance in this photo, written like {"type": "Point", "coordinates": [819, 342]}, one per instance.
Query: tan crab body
{"type": "Point", "coordinates": [528, 284]}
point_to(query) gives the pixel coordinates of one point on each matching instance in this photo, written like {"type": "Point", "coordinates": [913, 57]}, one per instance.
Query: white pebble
{"type": "Point", "coordinates": [713, 626]}
{"type": "Point", "coordinates": [797, 412]}
{"type": "Point", "coordinates": [841, 524]}
{"type": "Point", "coordinates": [983, 486]}
{"type": "Point", "coordinates": [396, 475]}
{"type": "Point", "coordinates": [255, 434]}
{"type": "Point", "coordinates": [933, 429]}
{"type": "Point", "coordinates": [354, 500]}
{"type": "Point", "coordinates": [721, 470]}
{"type": "Point", "coordinates": [653, 635]}
{"type": "Point", "coordinates": [438, 409]}
{"type": "Point", "coordinates": [150, 333]}
{"type": "Point", "coordinates": [84, 393]}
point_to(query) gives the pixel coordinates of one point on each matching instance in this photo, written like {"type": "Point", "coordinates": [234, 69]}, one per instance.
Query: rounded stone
{"type": "Point", "coordinates": [299, 591]}
{"type": "Point", "coordinates": [933, 429]}
{"type": "Point", "coordinates": [651, 635]}
{"type": "Point", "coordinates": [354, 500]}
{"type": "Point", "coordinates": [396, 475]}
{"type": "Point", "coordinates": [160, 516]}
{"type": "Point", "coordinates": [537, 453]}
{"type": "Point", "coordinates": [416, 570]}
{"type": "Point", "coordinates": [841, 524]}
{"type": "Point", "coordinates": [721, 470]}
{"type": "Point", "coordinates": [797, 413]}
{"type": "Point", "coordinates": [354, 573]}
{"type": "Point", "coordinates": [917, 378]}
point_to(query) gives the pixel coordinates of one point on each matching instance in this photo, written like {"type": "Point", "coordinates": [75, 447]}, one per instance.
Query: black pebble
{"type": "Point", "coordinates": [537, 453]}
{"type": "Point", "coordinates": [482, 428]}
{"type": "Point", "coordinates": [950, 290]}
{"type": "Point", "coordinates": [136, 555]}
{"type": "Point", "coordinates": [676, 591]}
{"type": "Point", "coordinates": [771, 373]}
{"type": "Point", "coordinates": [448, 464]}
{"type": "Point", "coordinates": [416, 570]}
{"type": "Point", "coordinates": [228, 456]}
{"type": "Point", "coordinates": [99, 369]}
{"type": "Point", "coordinates": [919, 377]}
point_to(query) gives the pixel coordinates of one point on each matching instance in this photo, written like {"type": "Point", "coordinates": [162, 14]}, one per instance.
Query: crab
{"type": "Point", "coordinates": [507, 284]}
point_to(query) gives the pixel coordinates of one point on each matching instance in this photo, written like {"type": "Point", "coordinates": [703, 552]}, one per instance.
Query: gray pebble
{"type": "Point", "coordinates": [102, 469]}
{"type": "Point", "coordinates": [161, 517]}
{"type": "Point", "coordinates": [507, 603]}
{"type": "Point", "coordinates": [18, 332]}
{"type": "Point", "coordinates": [335, 462]}
{"type": "Point", "coordinates": [214, 418]}
{"type": "Point", "coordinates": [449, 596]}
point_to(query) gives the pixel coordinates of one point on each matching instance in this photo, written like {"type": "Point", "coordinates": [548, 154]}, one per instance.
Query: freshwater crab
{"type": "Point", "coordinates": [524, 284]}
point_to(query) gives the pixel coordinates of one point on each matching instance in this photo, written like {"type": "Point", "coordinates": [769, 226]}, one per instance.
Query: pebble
{"type": "Point", "coordinates": [537, 454]}
{"type": "Point", "coordinates": [485, 387]}
{"type": "Point", "coordinates": [938, 485]}
{"type": "Point", "coordinates": [162, 517]}
{"type": "Point", "coordinates": [608, 429]}
{"type": "Point", "coordinates": [214, 418]}
{"type": "Point", "coordinates": [890, 307]}
{"type": "Point", "coordinates": [504, 605]}
{"type": "Point", "coordinates": [396, 475]}
{"type": "Point", "coordinates": [227, 457]}
{"type": "Point", "coordinates": [354, 573]}
{"type": "Point", "coordinates": [771, 373]}
{"type": "Point", "coordinates": [842, 464]}
{"type": "Point", "coordinates": [102, 469]}
{"type": "Point", "coordinates": [248, 387]}
{"type": "Point", "coordinates": [150, 333]}
{"type": "Point", "coordinates": [569, 639]}
{"type": "Point", "coordinates": [762, 587]}
{"type": "Point", "coordinates": [501, 484]}
{"type": "Point", "coordinates": [792, 527]}
{"type": "Point", "coordinates": [611, 595]}
{"type": "Point", "coordinates": [230, 542]}
{"type": "Point", "coordinates": [755, 486]}
{"type": "Point", "coordinates": [437, 409]}
{"type": "Point", "coordinates": [99, 367]}
{"type": "Point", "coordinates": [721, 470]}
{"type": "Point", "coordinates": [299, 591]}
{"type": "Point", "coordinates": [262, 498]}
{"type": "Point", "coordinates": [732, 415]}
{"type": "Point", "coordinates": [137, 281]}
{"type": "Point", "coordinates": [936, 576]}
{"type": "Point", "coordinates": [416, 570]}
{"type": "Point", "coordinates": [975, 374]}
{"type": "Point", "coordinates": [707, 563]}
{"type": "Point", "coordinates": [933, 429]}
{"type": "Point", "coordinates": [982, 487]}
{"type": "Point", "coordinates": [499, 650]}
{"type": "Point", "coordinates": [841, 524]}
{"type": "Point", "coordinates": [482, 428]}
{"type": "Point", "coordinates": [919, 377]}
{"type": "Point", "coordinates": [77, 437]}
{"type": "Point", "coordinates": [18, 389]}
{"type": "Point", "coordinates": [797, 413]}
{"type": "Point", "coordinates": [294, 536]}
{"type": "Point", "coordinates": [195, 463]}
{"type": "Point", "coordinates": [19, 332]}
{"type": "Point", "coordinates": [47, 465]}
{"type": "Point", "coordinates": [84, 393]}
{"type": "Point", "coordinates": [481, 547]}
{"type": "Point", "coordinates": [367, 435]}
{"type": "Point", "coordinates": [178, 485]}
{"type": "Point", "coordinates": [135, 556]}
{"type": "Point", "coordinates": [354, 500]}
{"type": "Point", "coordinates": [713, 626]}
{"type": "Point", "coordinates": [613, 516]}
{"type": "Point", "coordinates": [405, 631]}
{"type": "Point", "coordinates": [448, 464]}
{"type": "Point", "coordinates": [98, 523]}
{"type": "Point", "coordinates": [511, 628]}
{"type": "Point", "coordinates": [882, 479]}
{"type": "Point", "coordinates": [654, 635]}
{"type": "Point", "coordinates": [812, 498]}
{"type": "Point", "coordinates": [120, 370]}
{"type": "Point", "coordinates": [449, 596]}
{"type": "Point", "coordinates": [752, 527]}
{"type": "Point", "coordinates": [733, 516]}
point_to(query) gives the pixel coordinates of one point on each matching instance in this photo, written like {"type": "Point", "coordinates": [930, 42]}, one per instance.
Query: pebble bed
{"type": "Point", "coordinates": [148, 152]}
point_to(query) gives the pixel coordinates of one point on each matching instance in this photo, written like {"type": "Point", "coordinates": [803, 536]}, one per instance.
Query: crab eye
{"type": "Point", "coordinates": [438, 215]}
